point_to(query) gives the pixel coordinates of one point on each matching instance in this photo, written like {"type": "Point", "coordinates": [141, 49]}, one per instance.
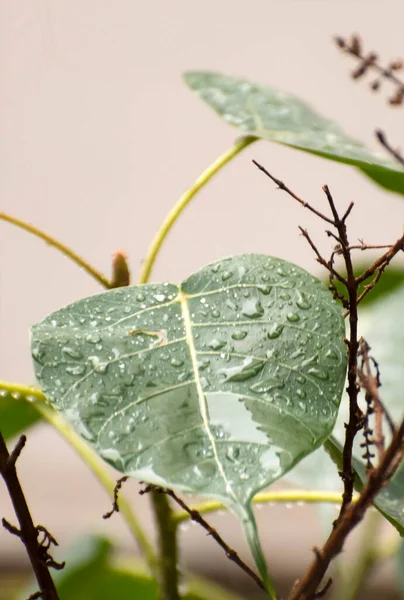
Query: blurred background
{"type": "Point", "coordinates": [99, 137]}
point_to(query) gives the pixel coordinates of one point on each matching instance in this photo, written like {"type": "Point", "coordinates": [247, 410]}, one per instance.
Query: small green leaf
{"type": "Point", "coordinates": [390, 280]}
{"type": "Point", "coordinates": [390, 500]}
{"type": "Point", "coordinates": [16, 414]}
{"type": "Point", "coordinates": [281, 117]}
{"type": "Point", "coordinates": [217, 386]}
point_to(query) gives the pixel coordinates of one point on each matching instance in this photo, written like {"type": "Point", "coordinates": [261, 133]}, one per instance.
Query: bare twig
{"type": "Point", "coordinates": [381, 136]}
{"type": "Point", "coordinates": [351, 283]}
{"type": "Point", "coordinates": [350, 515]}
{"type": "Point", "coordinates": [195, 516]}
{"type": "Point", "coordinates": [115, 506]}
{"type": "Point", "coordinates": [353, 514]}
{"type": "Point", "coordinates": [38, 551]}
{"type": "Point", "coordinates": [369, 62]}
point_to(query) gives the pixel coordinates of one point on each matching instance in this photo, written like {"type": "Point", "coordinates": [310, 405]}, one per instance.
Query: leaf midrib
{"type": "Point", "coordinates": [183, 298]}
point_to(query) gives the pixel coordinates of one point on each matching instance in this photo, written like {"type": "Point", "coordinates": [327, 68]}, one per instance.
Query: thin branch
{"type": "Point", "coordinates": [38, 552]}
{"type": "Point", "coordinates": [115, 506]}
{"type": "Point", "coordinates": [283, 187]}
{"type": "Point", "coordinates": [354, 513]}
{"type": "Point", "coordinates": [369, 62]}
{"type": "Point", "coordinates": [395, 153]}
{"type": "Point", "coordinates": [168, 576]}
{"type": "Point", "coordinates": [351, 284]}
{"type": "Point", "coordinates": [59, 246]}
{"type": "Point", "coordinates": [381, 263]}
{"type": "Point", "coordinates": [195, 516]}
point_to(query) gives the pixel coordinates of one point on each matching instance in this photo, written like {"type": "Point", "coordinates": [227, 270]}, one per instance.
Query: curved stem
{"type": "Point", "coordinates": [283, 496]}
{"type": "Point", "coordinates": [38, 401]}
{"type": "Point", "coordinates": [185, 200]}
{"type": "Point", "coordinates": [59, 246]}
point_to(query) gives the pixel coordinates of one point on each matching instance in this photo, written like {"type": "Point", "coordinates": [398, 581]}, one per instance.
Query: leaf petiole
{"type": "Point", "coordinates": [59, 246]}
{"type": "Point", "coordinates": [185, 199]}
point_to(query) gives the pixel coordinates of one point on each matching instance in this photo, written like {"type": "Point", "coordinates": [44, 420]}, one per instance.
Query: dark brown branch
{"type": "Point", "coordinates": [354, 513]}
{"type": "Point", "coordinates": [283, 187]}
{"type": "Point", "coordinates": [195, 516]}
{"type": "Point", "coordinates": [395, 153]}
{"type": "Point", "coordinates": [37, 551]}
{"type": "Point", "coordinates": [381, 263]}
{"type": "Point", "coordinates": [369, 62]}
{"type": "Point", "coordinates": [115, 506]}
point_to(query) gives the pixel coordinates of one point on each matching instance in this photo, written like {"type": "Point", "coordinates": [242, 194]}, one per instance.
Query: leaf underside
{"type": "Point", "coordinates": [281, 117]}
{"type": "Point", "coordinates": [217, 386]}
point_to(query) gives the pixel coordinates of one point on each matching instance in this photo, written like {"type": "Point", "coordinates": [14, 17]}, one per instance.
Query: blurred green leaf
{"type": "Point", "coordinates": [390, 280]}
{"type": "Point", "coordinates": [281, 117]}
{"type": "Point", "coordinates": [93, 573]}
{"type": "Point", "coordinates": [16, 414]}
{"type": "Point", "coordinates": [390, 500]}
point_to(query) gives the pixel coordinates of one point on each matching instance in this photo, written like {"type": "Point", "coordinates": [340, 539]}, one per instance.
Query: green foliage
{"type": "Point", "coordinates": [224, 383]}
{"type": "Point", "coordinates": [16, 414]}
{"type": "Point", "coordinates": [217, 386]}
{"type": "Point", "coordinates": [93, 572]}
{"type": "Point", "coordinates": [281, 117]}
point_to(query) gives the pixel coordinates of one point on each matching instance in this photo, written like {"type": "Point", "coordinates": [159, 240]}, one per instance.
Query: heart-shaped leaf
{"type": "Point", "coordinates": [217, 386]}
{"type": "Point", "coordinates": [281, 117]}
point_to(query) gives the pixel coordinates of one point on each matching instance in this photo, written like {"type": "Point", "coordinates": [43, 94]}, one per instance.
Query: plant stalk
{"type": "Point", "coordinates": [185, 199]}
{"type": "Point", "coordinates": [282, 496]}
{"type": "Point", "coordinates": [59, 246]}
{"type": "Point", "coordinates": [167, 576]}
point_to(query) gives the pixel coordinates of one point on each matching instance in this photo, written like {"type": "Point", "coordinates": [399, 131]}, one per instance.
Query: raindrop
{"type": "Point", "coordinates": [93, 338]}
{"type": "Point", "coordinates": [160, 297]}
{"type": "Point", "coordinates": [215, 313]}
{"type": "Point", "coordinates": [332, 355]}
{"type": "Point", "coordinates": [38, 355]}
{"type": "Point", "coordinates": [275, 331]}
{"type": "Point", "coordinates": [233, 454]}
{"type": "Point", "coordinates": [239, 335]}
{"type": "Point", "coordinates": [303, 301]}
{"type": "Point", "coordinates": [76, 369]}
{"type": "Point", "coordinates": [216, 344]}
{"type": "Point", "coordinates": [300, 393]}
{"type": "Point", "coordinates": [140, 297]}
{"type": "Point", "coordinates": [265, 289]}
{"type": "Point", "coordinates": [252, 309]}
{"type": "Point", "coordinates": [267, 385]}
{"type": "Point", "coordinates": [203, 364]}
{"type": "Point", "coordinates": [216, 267]}
{"type": "Point", "coordinates": [98, 366]}
{"type": "Point", "coordinates": [231, 304]}
{"type": "Point", "coordinates": [249, 368]}
{"type": "Point", "coordinates": [318, 373]}
{"type": "Point", "coordinates": [195, 450]}
{"type": "Point", "coordinates": [226, 275]}
{"type": "Point", "coordinates": [176, 362]}
{"type": "Point", "coordinates": [293, 317]}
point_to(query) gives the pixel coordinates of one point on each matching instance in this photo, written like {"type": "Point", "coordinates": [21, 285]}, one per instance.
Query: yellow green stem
{"type": "Point", "coordinates": [185, 200]}
{"type": "Point", "coordinates": [38, 401]}
{"type": "Point", "coordinates": [59, 246]}
{"type": "Point", "coordinates": [284, 496]}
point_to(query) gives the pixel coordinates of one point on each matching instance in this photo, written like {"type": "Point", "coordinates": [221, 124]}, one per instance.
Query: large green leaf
{"type": "Point", "coordinates": [281, 117]}
{"type": "Point", "coordinates": [16, 414]}
{"type": "Point", "coordinates": [217, 386]}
